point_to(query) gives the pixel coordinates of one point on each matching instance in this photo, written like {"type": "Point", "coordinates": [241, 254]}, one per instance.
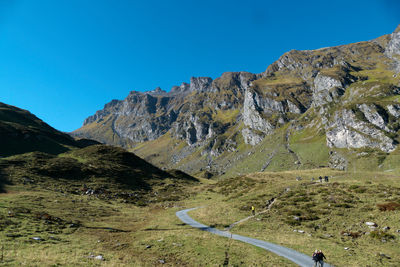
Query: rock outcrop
{"type": "Point", "coordinates": [201, 84]}
{"type": "Point", "coordinates": [393, 47]}
{"type": "Point", "coordinates": [372, 115]}
{"type": "Point", "coordinates": [346, 131]}
{"type": "Point", "coordinates": [394, 110]}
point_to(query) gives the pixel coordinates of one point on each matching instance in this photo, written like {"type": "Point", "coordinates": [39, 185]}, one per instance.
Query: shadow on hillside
{"type": "Point", "coordinates": [3, 181]}
{"type": "Point", "coordinates": [113, 230]}
{"type": "Point", "coordinates": [169, 229]}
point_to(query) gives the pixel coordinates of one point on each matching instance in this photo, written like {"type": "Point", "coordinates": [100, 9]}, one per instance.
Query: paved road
{"type": "Point", "coordinates": [290, 254]}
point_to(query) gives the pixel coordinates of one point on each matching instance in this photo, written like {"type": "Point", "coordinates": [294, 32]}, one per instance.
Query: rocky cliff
{"type": "Point", "coordinates": [344, 97]}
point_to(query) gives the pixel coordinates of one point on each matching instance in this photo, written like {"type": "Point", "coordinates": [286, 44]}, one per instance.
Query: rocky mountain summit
{"type": "Point", "coordinates": [343, 102]}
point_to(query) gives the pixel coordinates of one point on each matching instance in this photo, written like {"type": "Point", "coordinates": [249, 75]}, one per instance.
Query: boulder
{"type": "Point", "coordinates": [99, 257]}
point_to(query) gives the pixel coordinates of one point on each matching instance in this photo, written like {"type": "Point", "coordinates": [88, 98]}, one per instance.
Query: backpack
{"type": "Point", "coordinates": [315, 257]}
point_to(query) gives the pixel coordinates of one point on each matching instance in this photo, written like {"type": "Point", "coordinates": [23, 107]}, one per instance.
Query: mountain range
{"type": "Point", "coordinates": [336, 106]}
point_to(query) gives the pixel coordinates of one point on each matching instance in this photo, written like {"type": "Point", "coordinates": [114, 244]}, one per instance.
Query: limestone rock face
{"type": "Point", "coordinates": [337, 161]}
{"type": "Point", "coordinates": [394, 110]}
{"type": "Point", "coordinates": [200, 84]}
{"type": "Point", "coordinates": [306, 63]}
{"type": "Point", "coordinates": [113, 106]}
{"type": "Point", "coordinates": [184, 87]}
{"type": "Point", "coordinates": [139, 117]}
{"type": "Point", "coordinates": [250, 137]}
{"type": "Point", "coordinates": [323, 89]}
{"type": "Point", "coordinates": [322, 82]}
{"type": "Point", "coordinates": [346, 131]}
{"type": "Point", "coordinates": [193, 130]}
{"type": "Point", "coordinates": [393, 47]}
{"type": "Point", "coordinates": [293, 108]}
{"type": "Point", "coordinates": [253, 109]}
{"type": "Point", "coordinates": [372, 115]}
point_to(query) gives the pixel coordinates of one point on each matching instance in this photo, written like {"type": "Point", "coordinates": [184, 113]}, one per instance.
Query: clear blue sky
{"type": "Point", "coordinates": [63, 60]}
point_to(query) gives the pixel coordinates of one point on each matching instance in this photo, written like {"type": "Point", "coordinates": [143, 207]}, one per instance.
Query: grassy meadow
{"type": "Point", "coordinates": [46, 227]}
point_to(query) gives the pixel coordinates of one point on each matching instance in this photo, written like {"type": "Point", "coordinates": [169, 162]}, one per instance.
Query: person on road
{"type": "Point", "coordinates": [253, 210]}
{"type": "Point", "coordinates": [315, 258]}
{"type": "Point", "coordinates": [321, 258]}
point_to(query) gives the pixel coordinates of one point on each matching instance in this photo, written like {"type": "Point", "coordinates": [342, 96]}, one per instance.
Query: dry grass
{"type": "Point", "coordinates": [323, 211]}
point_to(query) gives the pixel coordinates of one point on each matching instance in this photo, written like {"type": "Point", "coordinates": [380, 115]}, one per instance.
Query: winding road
{"type": "Point", "coordinates": [290, 254]}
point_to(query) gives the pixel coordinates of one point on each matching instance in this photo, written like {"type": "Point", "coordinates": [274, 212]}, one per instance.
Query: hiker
{"type": "Point", "coordinates": [320, 179]}
{"type": "Point", "coordinates": [326, 179]}
{"type": "Point", "coordinates": [321, 258]}
{"type": "Point", "coordinates": [315, 258]}
{"type": "Point", "coordinates": [318, 258]}
{"type": "Point", "coordinates": [253, 210]}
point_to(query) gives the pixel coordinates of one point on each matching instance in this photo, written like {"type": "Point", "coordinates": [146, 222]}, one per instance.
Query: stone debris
{"type": "Point", "coordinates": [99, 257]}
{"type": "Point", "coordinates": [384, 255]}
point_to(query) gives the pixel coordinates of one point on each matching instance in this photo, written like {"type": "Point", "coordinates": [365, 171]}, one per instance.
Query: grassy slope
{"type": "Point", "coordinates": [123, 233]}
{"type": "Point", "coordinates": [127, 234]}
{"type": "Point", "coordinates": [21, 132]}
{"type": "Point", "coordinates": [326, 212]}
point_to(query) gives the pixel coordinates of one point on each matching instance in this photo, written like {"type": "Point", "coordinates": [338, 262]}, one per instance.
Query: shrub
{"type": "Point", "coordinates": [353, 235]}
{"type": "Point", "coordinates": [389, 206]}
{"type": "Point", "coordinates": [292, 222]}
{"type": "Point", "coordinates": [381, 235]}
{"type": "Point", "coordinates": [360, 190]}
{"type": "Point", "coordinates": [342, 205]}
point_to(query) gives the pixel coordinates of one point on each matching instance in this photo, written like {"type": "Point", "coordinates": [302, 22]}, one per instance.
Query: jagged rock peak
{"type": "Point", "coordinates": [397, 29]}
{"type": "Point", "coordinates": [180, 89]}
{"type": "Point", "coordinates": [393, 47]}
{"type": "Point", "coordinates": [158, 90]}
{"type": "Point", "coordinates": [201, 84]}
